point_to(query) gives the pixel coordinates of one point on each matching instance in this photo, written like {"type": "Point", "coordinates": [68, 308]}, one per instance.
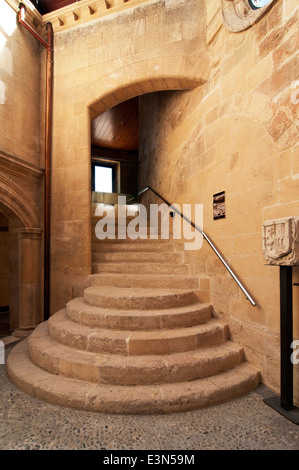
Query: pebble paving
{"type": "Point", "coordinates": [243, 424]}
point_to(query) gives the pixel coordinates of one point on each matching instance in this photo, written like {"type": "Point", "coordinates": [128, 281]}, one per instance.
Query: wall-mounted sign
{"type": "Point", "coordinates": [219, 205]}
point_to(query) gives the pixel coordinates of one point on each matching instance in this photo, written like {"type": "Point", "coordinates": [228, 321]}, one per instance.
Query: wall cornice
{"type": "Point", "coordinates": [82, 12]}
{"type": "Point", "coordinates": [16, 166]}
{"type": "Point", "coordinates": [33, 17]}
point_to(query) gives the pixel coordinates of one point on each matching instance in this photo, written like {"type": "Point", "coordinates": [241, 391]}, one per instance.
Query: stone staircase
{"type": "Point", "coordinates": [141, 340]}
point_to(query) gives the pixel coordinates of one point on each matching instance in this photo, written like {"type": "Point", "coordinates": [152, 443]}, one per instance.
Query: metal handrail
{"type": "Point", "coordinates": [248, 296]}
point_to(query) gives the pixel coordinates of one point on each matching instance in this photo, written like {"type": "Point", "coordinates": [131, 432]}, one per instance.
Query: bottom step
{"type": "Point", "coordinates": [118, 399]}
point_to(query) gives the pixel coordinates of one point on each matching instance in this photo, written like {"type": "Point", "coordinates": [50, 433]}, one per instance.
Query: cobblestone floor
{"type": "Point", "coordinates": [243, 424]}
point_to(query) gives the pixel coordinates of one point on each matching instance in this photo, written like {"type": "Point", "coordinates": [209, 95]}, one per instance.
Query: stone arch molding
{"type": "Point", "coordinates": [238, 15]}
{"type": "Point", "coordinates": [16, 200]}
{"type": "Point", "coordinates": [112, 90]}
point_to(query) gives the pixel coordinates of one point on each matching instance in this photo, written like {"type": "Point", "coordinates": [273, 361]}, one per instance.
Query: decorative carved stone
{"type": "Point", "coordinates": [238, 15]}
{"type": "Point", "coordinates": [281, 241]}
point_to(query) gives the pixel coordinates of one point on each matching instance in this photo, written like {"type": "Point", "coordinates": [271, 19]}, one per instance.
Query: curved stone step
{"type": "Point", "coordinates": [159, 281]}
{"type": "Point", "coordinates": [141, 399]}
{"type": "Point", "coordinates": [129, 370]}
{"type": "Point", "coordinates": [137, 257]}
{"type": "Point", "coordinates": [137, 298]}
{"type": "Point", "coordinates": [177, 317]}
{"type": "Point", "coordinates": [134, 343]}
{"type": "Point", "coordinates": [141, 268]}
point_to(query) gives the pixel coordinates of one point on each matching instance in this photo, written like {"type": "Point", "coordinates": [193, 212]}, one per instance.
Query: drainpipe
{"type": "Point", "coordinates": [48, 45]}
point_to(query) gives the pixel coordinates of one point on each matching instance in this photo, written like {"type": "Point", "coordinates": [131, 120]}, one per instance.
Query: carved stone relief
{"type": "Point", "coordinates": [239, 15]}
{"type": "Point", "coordinates": [281, 241]}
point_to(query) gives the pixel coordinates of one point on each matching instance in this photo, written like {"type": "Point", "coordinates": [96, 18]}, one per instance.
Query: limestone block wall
{"type": "Point", "coordinates": [21, 129]}
{"type": "Point", "coordinates": [236, 133]}
{"type": "Point", "coordinates": [21, 173]}
{"type": "Point", "coordinates": [156, 45]}
{"type": "Point", "coordinates": [19, 89]}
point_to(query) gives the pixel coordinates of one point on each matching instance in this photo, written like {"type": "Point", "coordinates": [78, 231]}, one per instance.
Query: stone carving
{"type": "Point", "coordinates": [238, 15]}
{"type": "Point", "coordinates": [281, 241]}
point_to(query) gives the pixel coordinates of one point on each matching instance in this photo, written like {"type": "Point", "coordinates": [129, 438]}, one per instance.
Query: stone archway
{"type": "Point", "coordinates": [16, 200]}
{"type": "Point", "coordinates": [147, 49]}
{"type": "Point", "coordinates": [71, 205]}
{"type": "Point", "coordinates": [110, 95]}
{"type": "Point", "coordinates": [25, 240]}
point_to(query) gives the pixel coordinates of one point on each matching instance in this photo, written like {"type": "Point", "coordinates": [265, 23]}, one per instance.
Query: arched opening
{"type": "Point", "coordinates": [9, 274]}
{"type": "Point", "coordinates": [115, 134]}
{"type": "Point", "coordinates": [4, 276]}
{"type": "Point", "coordinates": [20, 255]}
{"type": "Point", "coordinates": [114, 152]}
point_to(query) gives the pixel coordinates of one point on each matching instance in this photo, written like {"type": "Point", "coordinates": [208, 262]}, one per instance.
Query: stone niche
{"type": "Point", "coordinates": [281, 241]}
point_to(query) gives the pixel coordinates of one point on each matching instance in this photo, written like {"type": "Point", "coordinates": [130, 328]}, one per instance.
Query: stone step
{"type": "Point", "coordinates": [142, 299]}
{"type": "Point", "coordinates": [178, 317]}
{"type": "Point", "coordinates": [144, 233]}
{"type": "Point", "coordinates": [148, 281]}
{"type": "Point", "coordinates": [120, 399]}
{"type": "Point", "coordinates": [140, 268]}
{"type": "Point", "coordinates": [139, 241]}
{"type": "Point", "coordinates": [113, 216]}
{"type": "Point", "coordinates": [130, 370]}
{"type": "Point", "coordinates": [156, 246]}
{"type": "Point", "coordinates": [107, 223]}
{"type": "Point", "coordinates": [137, 257]}
{"type": "Point", "coordinates": [116, 217]}
{"type": "Point", "coordinates": [135, 343]}
{"type": "Point", "coordinates": [100, 200]}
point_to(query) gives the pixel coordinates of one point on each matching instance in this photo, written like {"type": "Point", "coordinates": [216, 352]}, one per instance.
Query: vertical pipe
{"type": "Point", "coordinates": [48, 151]}
{"type": "Point", "coordinates": [48, 45]}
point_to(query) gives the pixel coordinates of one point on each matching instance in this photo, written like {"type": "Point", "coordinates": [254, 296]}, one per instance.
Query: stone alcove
{"type": "Point", "coordinates": [24, 245]}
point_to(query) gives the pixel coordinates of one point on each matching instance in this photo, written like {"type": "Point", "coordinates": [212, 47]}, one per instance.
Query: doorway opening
{"type": "Point", "coordinates": [114, 153]}
{"type": "Point", "coordinates": [4, 276]}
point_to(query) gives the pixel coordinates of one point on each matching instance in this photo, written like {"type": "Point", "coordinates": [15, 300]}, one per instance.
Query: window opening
{"type": "Point", "coordinates": [103, 178]}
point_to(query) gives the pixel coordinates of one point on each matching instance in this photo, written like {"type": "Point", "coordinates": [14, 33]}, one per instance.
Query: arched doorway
{"type": "Point", "coordinates": [114, 121]}
{"type": "Point", "coordinates": [21, 254]}
{"type": "Point", "coordinates": [114, 152]}
{"type": "Point", "coordinates": [4, 276]}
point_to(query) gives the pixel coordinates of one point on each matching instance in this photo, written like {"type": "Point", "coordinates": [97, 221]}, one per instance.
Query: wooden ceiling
{"type": "Point", "coordinates": [46, 6]}
{"type": "Point", "coordinates": [117, 128]}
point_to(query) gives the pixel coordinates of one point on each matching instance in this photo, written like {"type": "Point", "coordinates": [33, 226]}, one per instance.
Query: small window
{"type": "Point", "coordinates": [256, 4]}
{"type": "Point", "coordinates": [103, 178]}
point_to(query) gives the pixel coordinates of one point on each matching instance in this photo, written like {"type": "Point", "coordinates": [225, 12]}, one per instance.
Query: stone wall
{"type": "Point", "coordinates": [20, 89]}
{"type": "Point", "coordinates": [21, 130]}
{"type": "Point", "coordinates": [21, 174]}
{"type": "Point", "coordinates": [158, 45]}
{"type": "Point", "coordinates": [218, 112]}
{"type": "Point", "coordinates": [236, 133]}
